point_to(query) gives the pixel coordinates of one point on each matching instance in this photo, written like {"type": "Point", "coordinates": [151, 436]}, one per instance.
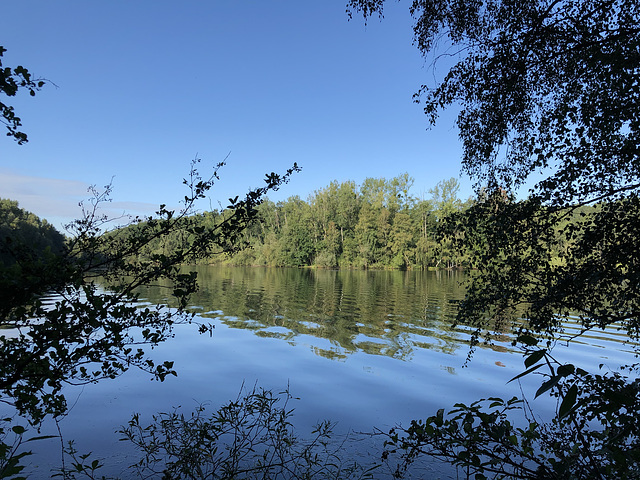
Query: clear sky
{"type": "Point", "coordinates": [142, 87]}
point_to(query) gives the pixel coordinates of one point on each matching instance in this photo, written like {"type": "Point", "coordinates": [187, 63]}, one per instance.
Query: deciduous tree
{"type": "Point", "coordinates": [548, 93]}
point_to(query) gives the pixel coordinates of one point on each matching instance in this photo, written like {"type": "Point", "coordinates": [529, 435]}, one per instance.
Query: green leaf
{"type": "Point", "coordinates": [568, 402]}
{"type": "Point", "coordinates": [526, 372]}
{"type": "Point", "coordinates": [534, 357]}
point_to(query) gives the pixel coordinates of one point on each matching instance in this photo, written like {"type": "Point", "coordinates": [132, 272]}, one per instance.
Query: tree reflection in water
{"type": "Point", "coordinates": [336, 312]}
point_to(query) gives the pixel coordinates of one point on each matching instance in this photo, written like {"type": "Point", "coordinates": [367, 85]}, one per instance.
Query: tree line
{"type": "Point", "coordinates": [378, 224]}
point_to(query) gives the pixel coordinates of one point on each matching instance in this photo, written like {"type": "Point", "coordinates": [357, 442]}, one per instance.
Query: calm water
{"type": "Point", "coordinates": [365, 349]}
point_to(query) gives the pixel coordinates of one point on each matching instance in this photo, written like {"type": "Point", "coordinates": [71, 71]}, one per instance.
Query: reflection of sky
{"type": "Point", "coordinates": [353, 376]}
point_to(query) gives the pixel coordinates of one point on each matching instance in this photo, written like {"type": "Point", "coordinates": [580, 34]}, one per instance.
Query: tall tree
{"type": "Point", "coordinates": [297, 240]}
{"type": "Point", "coordinates": [374, 191]}
{"type": "Point", "coordinates": [348, 209]}
{"type": "Point", "coordinates": [401, 241]}
{"type": "Point", "coordinates": [398, 196]}
{"type": "Point", "coordinates": [444, 198]}
{"type": "Point", "coordinates": [546, 89]}
{"type": "Point", "coordinates": [445, 201]}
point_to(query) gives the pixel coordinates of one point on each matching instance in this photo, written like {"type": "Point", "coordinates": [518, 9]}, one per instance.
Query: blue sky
{"type": "Point", "coordinates": [143, 87]}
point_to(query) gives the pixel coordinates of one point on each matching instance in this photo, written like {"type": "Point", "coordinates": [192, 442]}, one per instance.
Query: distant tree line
{"type": "Point", "coordinates": [378, 224]}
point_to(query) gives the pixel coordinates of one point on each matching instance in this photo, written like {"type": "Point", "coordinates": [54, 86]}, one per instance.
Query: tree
{"type": "Point", "coordinates": [401, 240]}
{"type": "Point", "coordinates": [368, 235]}
{"type": "Point", "coordinates": [551, 88]}
{"type": "Point", "coordinates": [297, 247]}
{"type": "Point", "coordinates": [12, 80]}
{"type": "Point", "coordinates": [445, 201]}
{"type": "Point", "coordinates": [90, 334]}
{"type": "Point", "coordinates": [425, 243]}
{"type": "Point", "coordinates": [398, 196]}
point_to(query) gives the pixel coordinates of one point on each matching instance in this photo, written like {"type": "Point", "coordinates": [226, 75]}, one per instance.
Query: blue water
{"type": "Point", "coordinates": [364, 349]}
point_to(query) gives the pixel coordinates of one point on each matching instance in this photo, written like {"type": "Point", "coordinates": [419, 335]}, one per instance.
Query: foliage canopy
{"type": "Point", "coordinates": [378, 224]}
{"type": "Point", "coordinates": [548, 93]}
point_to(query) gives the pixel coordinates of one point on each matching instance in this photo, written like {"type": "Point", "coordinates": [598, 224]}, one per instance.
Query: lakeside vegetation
{"type": "Point", "coordinates": [379, 224]}
{"type": "Point", "coordinates": [29, 249]}
{"type": "Point", "coordinates": [543, 87]}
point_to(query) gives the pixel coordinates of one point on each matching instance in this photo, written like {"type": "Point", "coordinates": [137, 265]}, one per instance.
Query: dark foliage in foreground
{"type": "Point", "coordinates": [88, 334]}
{"type": "Point", "coordinates": [549, 90]}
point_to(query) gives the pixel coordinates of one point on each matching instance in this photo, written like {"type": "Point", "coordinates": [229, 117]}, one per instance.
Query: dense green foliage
{"type": "Point", "coordinates": [29, 252]}
{"type": "Point", "coordinates": [548, 92]}
{"type": "Point", "coordinates": [26, 236]}
{"type": "Point", "coordinates": [376, 225]}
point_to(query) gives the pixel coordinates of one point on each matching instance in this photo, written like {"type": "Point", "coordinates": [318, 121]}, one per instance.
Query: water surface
{"type": "Point", "coordinates": [367, 349]}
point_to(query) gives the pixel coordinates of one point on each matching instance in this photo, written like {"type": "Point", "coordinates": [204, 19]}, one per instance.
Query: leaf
{"type": "Point", "coordinates": [548, 385]}
{"type": "Point", "coordinates": [533, 358]}
{"type": "Point", "coordinates": [568, 402]}
{"type": "Point", "coordinates": [42, 437]}
{"type": "Point", "coordinates": [526, 372]}
{"type": "Point", "coordinates": [529, 340]}
{"type": "Point", "coordinates": [565, 370]}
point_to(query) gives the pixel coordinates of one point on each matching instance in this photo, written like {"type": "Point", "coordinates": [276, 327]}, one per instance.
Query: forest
{"type": "Point", "coordinates": [379, 224]}
{"type": "Point", "coordinates": [546, 94]}
{"type": "Point", "coordinates": [376, 225]}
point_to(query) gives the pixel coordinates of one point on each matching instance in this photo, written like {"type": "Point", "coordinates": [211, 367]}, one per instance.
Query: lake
{"type": "Point", "coordinates": [366, 349]}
